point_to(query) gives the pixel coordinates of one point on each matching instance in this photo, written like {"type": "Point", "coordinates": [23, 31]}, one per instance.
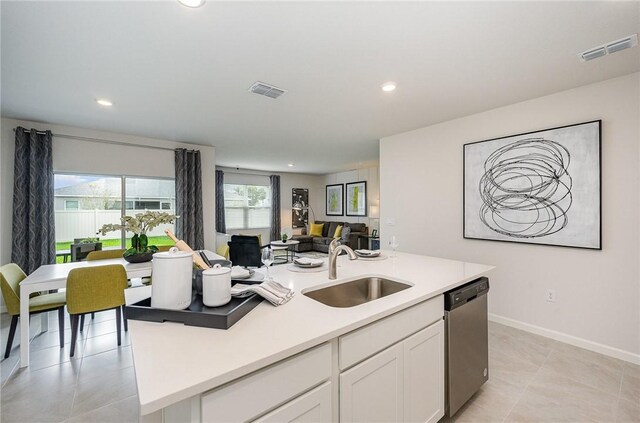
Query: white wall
{"type": "Point", "coordinates": [598, 292]}
{"type": "Point", "coordinates": [371, 176]}
{"type": "Point", "coordinates": [288, 181]}
{"type": "Point", "coordinates": [105, 159]}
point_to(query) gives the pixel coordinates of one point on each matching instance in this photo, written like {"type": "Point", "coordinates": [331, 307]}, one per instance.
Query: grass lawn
{"type": "Point", "coordinates": [106, 243]}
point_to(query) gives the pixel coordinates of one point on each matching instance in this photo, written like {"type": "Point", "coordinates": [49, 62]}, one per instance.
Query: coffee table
{"type": "Point", "coordinates": [288, 247]}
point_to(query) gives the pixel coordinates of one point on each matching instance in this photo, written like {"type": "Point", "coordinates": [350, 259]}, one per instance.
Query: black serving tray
{"type": "Point", "coordinates": [197, 314]}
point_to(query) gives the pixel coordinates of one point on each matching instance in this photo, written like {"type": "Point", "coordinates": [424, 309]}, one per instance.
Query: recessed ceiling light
{"type": "Point", "coordinates": [104, 102]}
{"type": "Point", "coordinates": [191, 3]}
{"type": "Point", "coordinates": [290, 164]}
{"type": "Point", "coordinates": [388, 86]}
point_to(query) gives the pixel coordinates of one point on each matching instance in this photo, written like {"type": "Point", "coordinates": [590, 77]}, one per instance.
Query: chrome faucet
{"type": "Point", "coordinates": [334, 251]}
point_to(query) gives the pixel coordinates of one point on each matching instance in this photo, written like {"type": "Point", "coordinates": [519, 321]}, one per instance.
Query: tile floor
{"type": "Point", "coordinates": [96, 385]}
{"type": "Point", "coordinates": [532, 379]}
{"type": "Point", "coordinates": [536, 379]}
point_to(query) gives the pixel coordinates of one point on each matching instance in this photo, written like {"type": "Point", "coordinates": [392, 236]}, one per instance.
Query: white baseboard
{"type": "Point", "coordinates": [568, 339]}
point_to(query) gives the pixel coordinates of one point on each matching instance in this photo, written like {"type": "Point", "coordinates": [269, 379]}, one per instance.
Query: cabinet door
{"type": "Point", "coordinates": [314, 406]}
{"type": "Point", "coordinates": [424, 375]}
{"type": "Point", "coordinates": [372, 390]}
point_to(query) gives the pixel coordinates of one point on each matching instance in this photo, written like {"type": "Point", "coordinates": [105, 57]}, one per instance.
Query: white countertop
{"type": "Point", "coordinates": [174, 362]}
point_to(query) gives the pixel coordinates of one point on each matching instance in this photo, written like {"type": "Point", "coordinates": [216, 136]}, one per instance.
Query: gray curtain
{"type": "Point", "coordinates": [33, 235]}
{"type": "Point", "coordinates": [275, 207]}
{"type": "Point", "coordinates": [221, 225]}
{"type": "Point", "coordinates": [189, 227]}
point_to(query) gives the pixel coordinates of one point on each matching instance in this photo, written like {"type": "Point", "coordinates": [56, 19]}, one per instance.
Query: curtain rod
{"type": "Point", "coordinates": [103, 141]}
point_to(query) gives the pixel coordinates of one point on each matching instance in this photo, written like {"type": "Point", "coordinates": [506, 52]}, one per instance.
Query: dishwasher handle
{"type": "Point", "coordinates": [465, 293]}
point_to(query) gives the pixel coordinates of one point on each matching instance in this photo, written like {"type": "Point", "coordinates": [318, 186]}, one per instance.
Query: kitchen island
{"type": "Point", "coordinates": [289, 354]}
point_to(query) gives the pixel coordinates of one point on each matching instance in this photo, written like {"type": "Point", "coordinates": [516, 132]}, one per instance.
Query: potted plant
{"type": "Point", "coordinates": [284, 237]}
{"type": "Point", "coordinates": [140, 224]}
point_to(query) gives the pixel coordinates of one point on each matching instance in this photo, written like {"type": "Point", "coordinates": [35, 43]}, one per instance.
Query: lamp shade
{"type": "Point", "coordinates": [374, 212]}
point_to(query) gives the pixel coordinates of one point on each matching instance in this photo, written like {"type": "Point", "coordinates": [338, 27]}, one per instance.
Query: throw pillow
{"type": "Point", "coordinates": [338, 232]}
{"type": "Point", "coordinates": [346, 231]}
{"type": "Point", "coordinates": [315, 229]}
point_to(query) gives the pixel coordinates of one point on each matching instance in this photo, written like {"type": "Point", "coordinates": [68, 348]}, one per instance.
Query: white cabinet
{"type": "Point", "coordinates": [424, 375]}
{"type": "Point", "coordinates": [372, 390]}
{"type": "Point", "coordinates": [312, 407]}
{"type": "Point", "coordinates": [405, 382]}
{"type": "Point", "coordinates": [252, 396]}
{"type": "Point", "coordinates": [391, 370]}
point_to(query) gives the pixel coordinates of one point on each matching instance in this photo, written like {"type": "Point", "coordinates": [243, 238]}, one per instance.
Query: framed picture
{"type": "Point", "coordinates": [300, 217]}
{"type": "Point", "coordinates": [541, 187]}
{"type": "Point", "coordinates": [357, 198]}
{"type": "Point", "coordinates": [374, 233]}
{"type": "Point", "coordinates": [334, 200]}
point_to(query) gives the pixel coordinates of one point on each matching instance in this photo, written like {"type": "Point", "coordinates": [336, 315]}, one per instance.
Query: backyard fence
{"type": "Point", "coordinates": [71, 224]}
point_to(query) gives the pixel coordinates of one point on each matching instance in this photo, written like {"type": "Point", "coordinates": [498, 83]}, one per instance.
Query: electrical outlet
{"type": "Point", "coordinates": [551, 295]}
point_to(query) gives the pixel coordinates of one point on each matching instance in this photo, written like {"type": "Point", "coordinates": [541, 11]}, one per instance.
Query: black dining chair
{"type": "Point", "coordinates": [245, 250]}
{"type": "Point", "coordinates": [80, 251]}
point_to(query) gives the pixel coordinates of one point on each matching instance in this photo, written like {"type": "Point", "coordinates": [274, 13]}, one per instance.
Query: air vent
{"type": "Point", "coordinates": [623, 44]}
{"type": "Point", "coordinates": [594, 54]}
{"type": "Point", "coordinates": [609, 48]}
{"type": "Point", "coordinates": [266, 90]}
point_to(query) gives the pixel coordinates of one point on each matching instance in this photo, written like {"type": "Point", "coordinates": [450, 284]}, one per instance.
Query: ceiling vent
{"type": "Point", "coordinates": [266, 90]}
{"type": "Point", "coordinates": [609, 48]}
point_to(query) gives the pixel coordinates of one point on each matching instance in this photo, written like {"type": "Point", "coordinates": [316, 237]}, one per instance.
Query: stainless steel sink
{"type": "Point", "coordinates": [359, 291]}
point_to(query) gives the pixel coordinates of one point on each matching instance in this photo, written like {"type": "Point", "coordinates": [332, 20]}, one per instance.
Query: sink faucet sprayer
{"type": "Point", "coordinates": [334, 250]}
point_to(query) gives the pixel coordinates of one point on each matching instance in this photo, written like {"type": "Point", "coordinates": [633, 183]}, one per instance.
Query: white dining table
{"type": "Point", "coordinates": [54, 276]}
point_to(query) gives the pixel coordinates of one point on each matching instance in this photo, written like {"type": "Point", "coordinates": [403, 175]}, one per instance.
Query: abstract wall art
{"type": "Point", "coordinates": [334, 199]}
{"type": "Point", "coordinates": [540, 187]}
{"type": "Point", "coordinates": [300, 217]}
{"type": "Point", "coordinates": [357, 198]}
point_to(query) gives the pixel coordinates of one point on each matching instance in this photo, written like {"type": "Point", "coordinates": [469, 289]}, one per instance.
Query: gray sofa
{"type": "Point", "coordinates": [321, 243]}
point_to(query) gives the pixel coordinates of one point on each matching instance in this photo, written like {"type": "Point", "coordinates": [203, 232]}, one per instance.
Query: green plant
{"type": "Point", "coordinates": [140, 224]}
{"type": "Point", "coordinates": [284, 237]}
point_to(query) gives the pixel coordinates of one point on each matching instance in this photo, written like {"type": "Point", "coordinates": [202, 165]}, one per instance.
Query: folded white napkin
{"type": "Point", "coordinates": [239, 272]}
{"type": "Point", "coordinates": [275, 293]}
{"type": "Point", "coordinates": [305, 261]}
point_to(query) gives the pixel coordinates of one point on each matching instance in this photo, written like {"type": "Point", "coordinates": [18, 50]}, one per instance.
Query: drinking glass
{"type": "Point", "coordinates": [267, 259]}
{"type": "Point", "coordinates": [394, 244]}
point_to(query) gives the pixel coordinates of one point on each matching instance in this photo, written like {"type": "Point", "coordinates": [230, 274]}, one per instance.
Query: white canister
{"type": "Point", "coordinates": [216, 286]}
{"type": "Point", "coordinates": [172, 279]}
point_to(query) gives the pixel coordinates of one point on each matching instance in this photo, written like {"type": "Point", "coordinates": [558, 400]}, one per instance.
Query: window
{"type": "Point", "coordinates": [83, 203]}
{"type": "Point", "coordinates": [71, 204]}
{"type": "Point", "coordinates": [147, 205]}
{"type": "Point", "coordinates": [148, 194]}
{"type": "Point", "coordinates": [247, 206]}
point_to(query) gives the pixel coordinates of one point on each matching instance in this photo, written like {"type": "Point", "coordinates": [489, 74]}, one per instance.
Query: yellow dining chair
{"type": "Point", "coordinates": [101, 255]}
{"type": "Point", "coordinates": [10, 277]}
{"type": "Point", "coordinates": [96, 288]}
{"type": "Point", "coordinates": [105, 254]}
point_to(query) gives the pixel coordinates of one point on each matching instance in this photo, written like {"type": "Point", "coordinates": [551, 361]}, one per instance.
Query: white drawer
{"type": "Point", "coordinates": [259, 392]}
{"type": "Point", "coordinates": [365, 342]}
{"type": "Point", "coordinates": [312, 407]}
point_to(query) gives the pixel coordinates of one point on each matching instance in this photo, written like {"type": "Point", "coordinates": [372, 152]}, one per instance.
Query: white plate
{"type": "Point", "coordinates": [367, 253]}
{"type": "Point", "coordinates": [308, 262]}
{"type": "Point", "coordinates": [241, 273]}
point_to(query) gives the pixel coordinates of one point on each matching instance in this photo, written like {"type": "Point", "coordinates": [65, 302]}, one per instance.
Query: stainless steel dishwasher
{"type": "Point", "coordinates": [466, 342]}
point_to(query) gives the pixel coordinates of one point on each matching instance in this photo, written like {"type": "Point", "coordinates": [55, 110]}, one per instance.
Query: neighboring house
{"type": "Point", "coordinates": [104, 194]}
